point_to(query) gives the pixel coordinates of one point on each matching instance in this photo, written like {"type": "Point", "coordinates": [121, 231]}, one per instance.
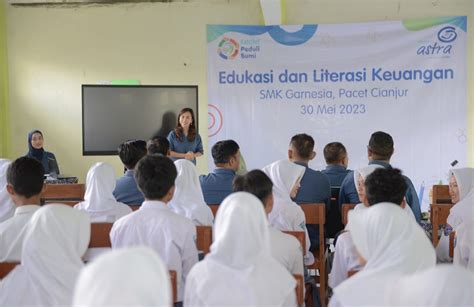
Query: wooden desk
{"type": "Point", "coordinates": [67, 193]}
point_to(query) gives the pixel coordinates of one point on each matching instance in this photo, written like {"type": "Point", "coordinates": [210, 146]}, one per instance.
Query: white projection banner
{"type": "Point", "coordinates": [342, 82]}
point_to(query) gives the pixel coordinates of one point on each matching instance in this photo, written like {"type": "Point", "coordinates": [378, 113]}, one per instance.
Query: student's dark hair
{"type": "Point", "coordinates": [381, 145]}
{"type": "Point", "coordinates": [255, 182]}
{"type": "Point", "coordinates": [334, 152]}
{"type": "Point", "coordinates": [192, 128]}
{"type": "Point", "coordinates": [158, 145]}
{"type": "Point", "coordinates": [25, 175]}
{"type": "Point", "coordinates": [131, 152]}
{"type": "Point", "coordinates": [385, 185]}
{"type": "Point", "coordinates": [303, 144]}
{"type": "Point", "coordinates": [155, 175]}
{"type": "Point", "coordinates": [222, 151]}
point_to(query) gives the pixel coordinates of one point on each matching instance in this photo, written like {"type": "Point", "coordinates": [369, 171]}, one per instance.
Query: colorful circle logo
{"type": "Point", "coordinates": [447, 34]}
{"type": "Point", "coordinates": [228, 48]}
{"type": "Point", "coordinates": [214, 125]}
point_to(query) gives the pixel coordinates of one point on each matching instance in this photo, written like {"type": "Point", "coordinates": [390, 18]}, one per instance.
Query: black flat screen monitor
{"type": "Point", "coordinates": [113, 114]}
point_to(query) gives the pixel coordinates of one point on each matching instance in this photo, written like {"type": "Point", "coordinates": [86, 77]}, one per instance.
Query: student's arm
{"type": "Point", "coordinates": [412, 200]}
{"type": "Point", "coordinates": [340, 263]}
{"type": "Point", "coordinates": [298, 223]}
{"type": "Point", "coordinates": [297, 266]}
{"type": "Point", "coordinates": [442, 250]}
{"type": "Point", "coordinates": [290, 299]}
{"type": "Point", "coordinates": [191, 295]}
{"type": "Point", "coordinates": [190, 254]}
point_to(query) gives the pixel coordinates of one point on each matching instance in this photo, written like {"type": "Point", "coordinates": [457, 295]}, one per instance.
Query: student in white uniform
{"type": "Point", "coordinates": [24, 186]}
{"type": "Point", "coordinates": [56, 238]}
{"type": "Point", "coordinates": [390, 245]}
{"type": "Point", "coordinates": [7, 206]}
{"type": "Point", "coordinates": [286, 214]}
{"type": "Point", "coordinates": [133, 276]}
{"type": "Point", "coordinates": [464, 247]}
{"type": "Point", "coordinates": [388, 182]}
{"type": "Point", "coordinates": [154, 224]}
{"type": "Point", "coordinates": [99, 202]}
{"type": "Point", "coordinates": [188, 200]}
{"type": "Point", "coordinates": [285, 248]}
{"type": "Point", "coordinates": [239, 270]}
{"type": "Point", "coordinates": [461, 189]}
{"type": "Point", "coordinates": [442, 285]}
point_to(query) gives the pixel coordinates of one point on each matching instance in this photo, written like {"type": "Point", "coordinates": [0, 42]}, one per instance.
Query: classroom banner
{"type": "Point", "coordinates": [342, 82]}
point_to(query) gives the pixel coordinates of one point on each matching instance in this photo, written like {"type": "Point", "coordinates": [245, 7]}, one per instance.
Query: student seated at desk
{"type": "Point", "coordinates": [442, 285]}
{"type": "Point", "coordinates": [7, 206]}
{"type": "Point", "coordinates": [286, 214]}
{"type": "Point", "coordinates": [217, 185]}
{"type": "Point", "coordinates": [188, 200]}
{"type": "Point", "coordinates": [148, 282]}
{"type": "Point", "coordinates": [240, 270]}
{"type": "Point", "coordinates": [337, 160]}
{"type": "Point", "coordinates": [381, 186]}
{"type": "Point", "coordinates": [56, 238]}
{"type": "Point", "coordinates": [126, 190]}
{"type": "Point", "coordinates": [99, 202]}
{"type": "Point", "coordinates": [36, 151]}
{"type": "Point", "coordinates": [24, 186]}
{"type": "Point", "coordinates": [390, 245]}
{"type": "Point", "coordinates": [154, 225]}
{"type": "Point", "coordinates": [285, 248]}
{"type": "Point", "coordinates": [461, 190]}
{"type": "Point", "coordinates": [158, 145]}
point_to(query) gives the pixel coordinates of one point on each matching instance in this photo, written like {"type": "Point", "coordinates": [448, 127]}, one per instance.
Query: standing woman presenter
{"type": "Point", "coordinates": [185, 143]}
{"type": "Point", "coordinates": [36, 150]}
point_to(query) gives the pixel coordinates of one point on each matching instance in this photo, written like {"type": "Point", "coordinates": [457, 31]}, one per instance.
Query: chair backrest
{"type": "Point", "coordinates": [204, 238]}
{"type": "Point", "coordinates": [315, 214]}
{"type": "Point", "coordinates": [441, 195]}
{"type": "Point", "coordinates": [299, 289]}
{"type": "Point", "coordinates": [100, 235]}
{"type": "Point", "coordinates": [299, 235]}
{"type": "Point", "coordinates": [134, 207]}
{"type": "Point", "coordinates": [452, 238]}
{"type": "Point", "coordinates": [63, 192]}
{"type": "Point", "coordinates": [214, 208]}
{"type": "Point", "coordinates": [345, 212]}
{"type": "Point", "coordinates": [7, 267]}
{"type": "Point", "coordinates": [174, 285]}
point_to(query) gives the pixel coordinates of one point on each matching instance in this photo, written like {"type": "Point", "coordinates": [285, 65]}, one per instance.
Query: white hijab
{"type": "Point", "coordinates": [284, 175]}
{"type": "Point", "coordinates": [464, 247]}
{"type": "Point", "coordinates": [392, 245]}
{"type": "Point", "coordinates": [7, 207]}
{"type": "Point", "coordinates": [56, 238]}
{"type": "Point", "coordinates": [188, 200]}
{"type": "Point", "coordinates": [99, 201]}
{"type": "Point", "coordinates": [240, 253]}
{"type": "Point", "coordinates": [464, 209]}
{"type": "Point", "coordinates": [133, 276]}
{"type": "Point", "coordinates": [443, 285]}
{"type": "Point", "coordinates": [364, 172]}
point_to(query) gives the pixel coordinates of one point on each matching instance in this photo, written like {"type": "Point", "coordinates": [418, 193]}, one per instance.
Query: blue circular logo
{"type": "Point", "coordinates": [447, 34]}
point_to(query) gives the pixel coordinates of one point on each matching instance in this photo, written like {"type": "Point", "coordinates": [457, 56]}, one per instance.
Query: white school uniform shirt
{"type": "Point", "coordinates": [56, 238]}
{"type": "Point", "coordinates": [240, 270]}
{"type": "Point", "coordinates": [442, 285]}
{"type": "Point", "coordinates": [464, 246]}
{"type": "Point", "coordinates": [7, 207]}
{"type": "Point", "coordinates": [12, 234]}
{"type": "Point", "coordinates": [286, 214]}
{"type": "Point", "coordinates": [345, 256]}
{"type": "Point", "coordinates": [463, 209]}
{"type": "Point", "coordinates": [392, 245]}
{"type": "Point", "coordinates": [172, 236]}
{"type": "Point", "coordinates": [99, 202]}
{"type": "Point", "coordinates": [188, 199]}
{"type": "Point", "coordinates": [133, 276]}
{"type": "Point", "coordinates": [287, 250]}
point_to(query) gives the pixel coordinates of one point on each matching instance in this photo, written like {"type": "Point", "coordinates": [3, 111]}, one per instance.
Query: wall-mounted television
{"type": "Point", "coordinates": [113, 114]}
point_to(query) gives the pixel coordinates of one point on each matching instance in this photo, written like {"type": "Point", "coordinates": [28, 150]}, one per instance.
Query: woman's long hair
{"type": "Point", "coordinates": [192, 128]}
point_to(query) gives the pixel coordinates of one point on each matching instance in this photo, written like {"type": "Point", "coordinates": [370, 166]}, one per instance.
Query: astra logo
{"type": "Point", "coordinates": [447, 34]}
{"type": "Point", "coordinates": [442, 48]}
{"type": "Point", "coordinates": [228, 48]}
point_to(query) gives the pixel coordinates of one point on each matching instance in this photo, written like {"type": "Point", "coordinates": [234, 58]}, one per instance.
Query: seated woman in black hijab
{"type": "Point", "coordinates": [35, 150]}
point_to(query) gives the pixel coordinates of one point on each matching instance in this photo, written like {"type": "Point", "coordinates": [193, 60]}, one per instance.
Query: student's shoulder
{"type": "Point", "coordinates": [284, 238]}
{"type": "Point", "coordinates": [180, 221]}
{"type": "Point", "coordinates": [348, 179]}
